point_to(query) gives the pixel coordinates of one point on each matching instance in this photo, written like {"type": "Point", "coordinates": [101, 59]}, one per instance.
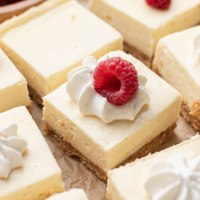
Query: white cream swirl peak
{"type": "Point", "coordinates": [12, 148]}
{"type": "Point", "coordinates": [176, 178]}
{"type": "Point", "coordinates": [80, 89]}
{"type": "Point", "coordinates": [104, 146]}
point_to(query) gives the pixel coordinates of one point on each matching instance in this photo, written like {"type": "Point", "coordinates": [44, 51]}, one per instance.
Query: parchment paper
{"type": "Point", "coordinates": [76, 175]}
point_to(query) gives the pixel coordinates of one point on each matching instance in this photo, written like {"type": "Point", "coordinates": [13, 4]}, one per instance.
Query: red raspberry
{"type": "Point", "coordinates": [116, 79]}
{"type": "Point", "coordinates": [5, 2]}
{"type": "Point", "coordinates": [160, 4]}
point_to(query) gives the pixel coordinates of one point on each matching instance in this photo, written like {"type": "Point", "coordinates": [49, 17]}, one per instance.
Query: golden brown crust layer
{"type": "Point", "coordinates": [191, 115]}
{"type": "Point", "coordinates": [35, 96]}
{"type": "Point", "coordinates": [139, 55]}
{"type": "Point", "coordinates": [195, 110]}
{"type": "Point", "coordinates": [151, 147]}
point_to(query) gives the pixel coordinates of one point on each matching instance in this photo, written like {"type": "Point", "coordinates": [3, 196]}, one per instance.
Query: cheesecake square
{"type": "Point", "coordinates": [13, 86]}
{"type": "Point", "coordinates": [49, 40]}
{"type": "Point", "coordinates": [142, 25]}
{"type": "Point", "coordinates": [159, 175]}
{"type": "Point", "coordinates": [39, 176]}
{"type": "Point", "coordinates": [105, 144]}
{"type": "Point", "coordinates": [72, 194]}
{"type": "Point", "coordinates": [177, 60]}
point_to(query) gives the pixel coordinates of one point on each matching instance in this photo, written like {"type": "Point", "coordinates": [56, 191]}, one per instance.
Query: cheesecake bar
{"type": "Point", "coordinates": [170, 174]}
{"type": "Point", "coordinates": [13, 86]}
{"type": "Point", "coordinates": [73, 194]}
{"type": "Point", "coordinates": [142, 25]}
{"type": "Point", "coordinates": [101, 131]}
{"type": "Point", "coordinates": [177, 60]}
{"type": "Point", "coordinates": [49, 40]}
{"type": "Point", "coordinates": [28, 170]}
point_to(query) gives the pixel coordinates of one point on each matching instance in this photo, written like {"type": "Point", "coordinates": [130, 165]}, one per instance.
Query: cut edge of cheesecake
{"type": "Point", "coordinates": [151, 147]}
{"type": "Point", "coordinates": [190, 110]}
{"type": "Point", "coordinates": [191, 115]}
{"type": "Point", "coordinates": [15, 92]}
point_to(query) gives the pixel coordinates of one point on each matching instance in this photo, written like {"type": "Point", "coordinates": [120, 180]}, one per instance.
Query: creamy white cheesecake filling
{"type": "Point", "coordinates": [141, 25]}
{"type": "Point", "coordinates": [13, 86]}
{"type": "Point", "coordinates": [40, 175]}
{"type": "Point", "coordinates": [128, 182]}
{"type": "Point", "coordinates": [107, 145]}
{"type": "Point", "coordinates": [73, 194]}
{"type": "Point", "coordinates": [178, 63]}
{"type": "Point", "coordinates": [47, 46]}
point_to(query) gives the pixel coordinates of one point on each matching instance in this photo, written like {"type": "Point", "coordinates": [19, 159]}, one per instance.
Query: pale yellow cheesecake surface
{"type": "Point", "coordinates": [47, 46]}
{"type": "Point", "coordinates": [141, 25]}
{"type": "Point", "coordinates": [127, 183]}
{"type": "Point", "coordinates": [40, 176]}
{"type": "Point", "coordinates": [177, 61]}
{"type": "Point", "coordinates": [13, 86]}
{"type": "Point", "coordinates": [73, 194]}
{"type": "Point", "coordinates": [107, 145]}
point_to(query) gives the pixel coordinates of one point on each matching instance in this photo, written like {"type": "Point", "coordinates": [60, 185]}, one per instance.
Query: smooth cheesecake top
{"type": "Point", "coordinates": [128, 181]}
{"type": "Point", "coordinates": [59, 38]}
{"type": "Point", "coordinates": [9, 75]}
{"type": "Point", "coordinates": [39, 163]}
{"type": "Point", "coordinates": [150, 17]}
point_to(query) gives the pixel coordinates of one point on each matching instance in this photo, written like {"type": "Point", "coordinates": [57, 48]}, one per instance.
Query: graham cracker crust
{"type": "Point", "coordinates": [35, 96]}
{"type": "Point", "coordinates": [151, 147]}
{"type": "Point", "coordinates": [139, 55]}
{"type": "Point", "coordinates": [192, 116]}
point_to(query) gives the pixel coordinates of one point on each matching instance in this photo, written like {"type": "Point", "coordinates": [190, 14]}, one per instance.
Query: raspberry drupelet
{"type": "Point", "coordinates": [116, 79]}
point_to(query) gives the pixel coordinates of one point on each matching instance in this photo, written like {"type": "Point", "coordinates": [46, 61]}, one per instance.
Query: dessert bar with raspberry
{"type": "Point", "coordinates": [107, 112]}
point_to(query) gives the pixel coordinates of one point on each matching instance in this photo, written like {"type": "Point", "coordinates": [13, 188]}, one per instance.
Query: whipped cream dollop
{"type": "Point", "coordinates": [197, 46]}
{"type": "Point", "coordinates": [12, 148]}
{"type": "Point", "coordinates": [175, 179]}
{"type": "Point", "coordinates": [81, 90]}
